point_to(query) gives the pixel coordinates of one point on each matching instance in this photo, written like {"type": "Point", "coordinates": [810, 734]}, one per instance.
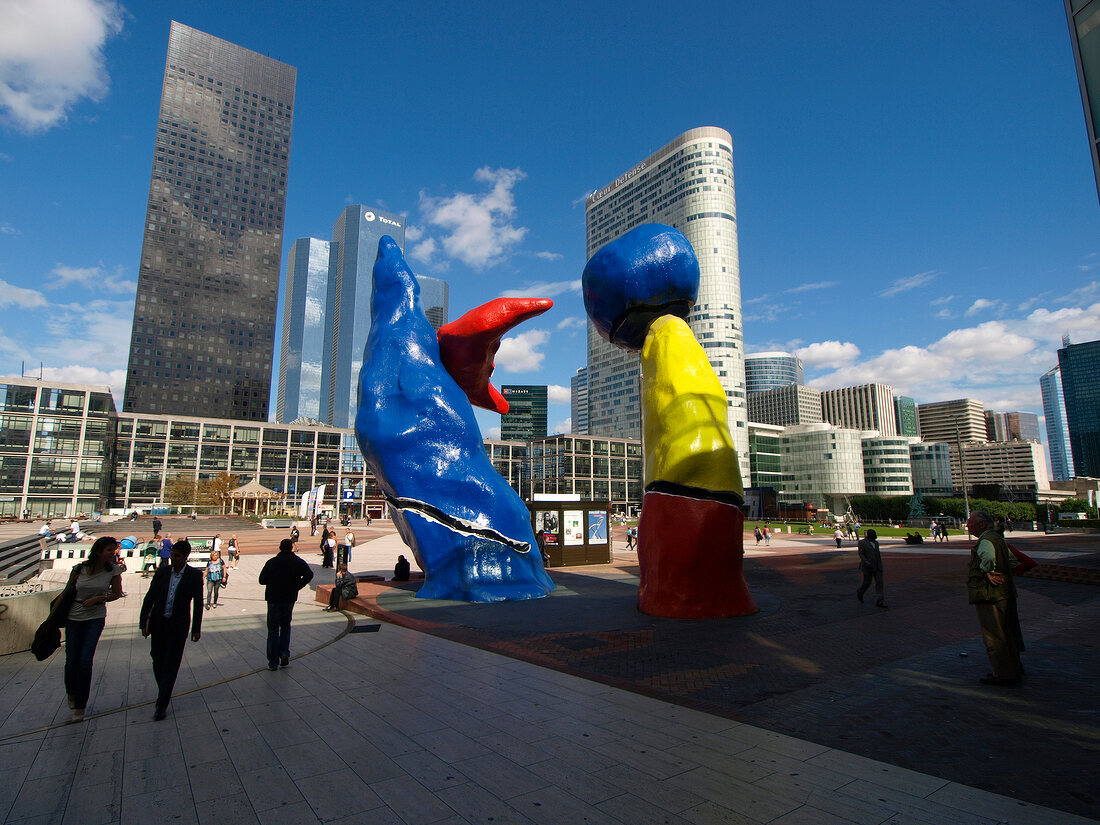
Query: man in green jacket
{"type": "Point", "coordinates": [992, 590]}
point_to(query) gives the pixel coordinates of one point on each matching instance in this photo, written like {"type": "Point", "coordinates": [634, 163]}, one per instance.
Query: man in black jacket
{"type": "Point", "coordinates": [284, 575]}
{"type": "Point", "coordinates": [167, 617]}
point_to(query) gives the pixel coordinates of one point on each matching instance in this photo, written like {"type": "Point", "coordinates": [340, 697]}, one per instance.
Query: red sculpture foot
{"type": "Point", "coordinates": [690, 552]}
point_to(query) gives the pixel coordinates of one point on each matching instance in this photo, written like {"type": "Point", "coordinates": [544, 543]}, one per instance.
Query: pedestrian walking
{"type": "Point", "coordinates": [349, 543]}
{"type": "Point", "coordinates": [172, 608]}
{"type": "Point", "coordinates": [284, 575]}
{"type": "Point", "coordinates": [838, 534]}
{"type": "Point", "coordinates": [234, 552]}
{"type": "Point", "coordinates": [758, 534]}
{"type": "Point", "coordinates": [94, 582]}
{"type": "Point", "coordinates": [216, 576]}
{"type": "Point", "coordinates": [767, 536]}
{"type": "Point", "coordinates": [870, 565]}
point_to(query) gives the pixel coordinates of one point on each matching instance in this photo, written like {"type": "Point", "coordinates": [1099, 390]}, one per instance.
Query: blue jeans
{"type": "Point", "coordinates": [278, 631]}
{"type": "Point", "coordinates": [81, 639]}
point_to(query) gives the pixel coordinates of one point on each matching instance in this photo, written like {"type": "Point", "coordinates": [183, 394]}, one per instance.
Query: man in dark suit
{"type": "Point", "coordinates": [167, 617]}
{"type": "Point", "coordinates": [284, 574]}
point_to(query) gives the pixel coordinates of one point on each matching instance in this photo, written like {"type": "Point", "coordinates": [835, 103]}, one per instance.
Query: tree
{"type": "Point", "coordinates": [215, 491]}
{"type": "Point", "coordinates": [181, 489]}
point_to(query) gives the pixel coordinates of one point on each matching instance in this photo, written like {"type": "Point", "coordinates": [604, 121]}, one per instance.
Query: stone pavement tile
{"type": "Point", "coordinates": [499, 776]}
{"type": "Point", "coordinates": [806, 815]}
{"type": "Point", "coordinates": [403, 715]}
{"type": "Point", "coordinates": [298, 813]}
{"type": "Point", "coordinates": [572, 729]}
{"type": "Point", "coordinates": [308, 759]}
{"type": "Point", "coordinates": [634, 811]}
{"type": "Point", "coordinates": [369, 763]}
{"type": "Point", "coordinates": [336, 793]}
{"type": "Point", "coordinates": [201, 741]}
{"type": "Point", "coordinates": [103, 768]}
{"type": "Point", "coordinates": [778, 742]}
{"type": "Point", "coordinates": [383, 736]}
{"type": "Point", "coordinates": [429, 770]}
{"type": "Point", "coordinates": [284, 732]}
{"type": "Point", "coordinates": [19, 753]}
{"type": "Point", "coordinates": [56, 758]}
{"type": "Point", "coordinates": [835, 803]}
{"type": "Point", "coordinates": [475, 804]}
{"type": "Point", "coordinates": [450, 745]}
{"type": "Point", "coordinates": [210, 780]}
{"type": "Point", "coordinates": [721, 741]}
{"type": "Point", "coordinates": [650, 761]}
{"type": "Point", "coordinates": [384, 816]}
{"type": "Point", "coordinates": [785, 765]}
{"type": "Point", "coordinates": [708, 813]}
{"type": "Point", "coordinates": [913, 805]}
{"type": "Point", "coordinates": [515, 750]}
{"type": "Point", "coordinates": [1002, 808]}
{"type": "Point", "coordinates": [645, 734]}
{"type": "Point", "coordinates": [11, 781]}
{"type": "Point", "coordinates": [663, 794]}
{"type": "Point", "coordinates": [39, 797]}
{"type": "Point", "coordinates": [410, 800]}
{"type": "Point", "coordinates": [173, 805]}
{"type": "Point", "coordinates": [743, 797]}
{"type": "Point", "coordinates": [152, 739]}
{"type": "Point", "coordinates": [246, 750]}
{"type": "Point", "coordinates": [226, 809]}
{"type": "Point", "coordinates": [695, 719]}
{"type": "Point", "coordinates": [880, 773]}
{"type": "Point", "coordinates": [553, 806]}
{"type": "Point", "coordinates": [269, 788]}
{"type": "Point", "coordinates": [576, 779]}
{"type": "Point", "coordinates": [733, 766]}
{"type": "Point", "coordinates": [94, 804]}
{"type": "Point", "coordinates": [566, 750]}
{"type": "Point", "coordinates": [156, 773]}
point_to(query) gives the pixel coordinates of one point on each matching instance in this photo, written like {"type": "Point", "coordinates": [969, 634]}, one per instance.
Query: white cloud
{"type": "Point", "coordinates": [812, 286]}
{"type": "Point", "coordinates": [76, 374]}
{"type": "Point", "coordinates": [7, 229]}
{"type": "Point", "coordinates": [944, 313]}
{"type": "Point", "coordinates": [828, 353]}
{"type": "Point", "coordinates": [5, 157]}
{"type": "Point", "coordinates": [520, 353]}
{"type": "Point", "coordinates": [557, 394]}
{"type": "Point", "coordinates": [51, 56]}
{"type": "Point", "coordinates": [945, 299]}
{"type": "Point", "coordinates": [549, 256]}
{"type": "Point", "coordinates": [479, 227]}
{"type": "Point", "coordinates": [492, 432]}
{"type": "Point", "coordinates": [91, 277]}
{"type": "Point", "coordinates": [907, 283]}
{"type": "Point", "coordinates": [413, 233]}
{"type": "Point", "coordinates": [543, 289]}
{"type": "Point", "coordinates": [572, 322]}
{"type": "Point", "coordinates": [768, 312]}
{"type": "Point", "coordinates": [12, 295]}
{"type": "Point", "coordinates": [1083, 294]}
{"type": "Point", "coordinates": [565, 426]}
{"type": "Point", "coordinates": [756, 300]}
{"type": "Point", "coordinates": [425, 251]}
{"type": "Point", "coordinates": [982, 305]}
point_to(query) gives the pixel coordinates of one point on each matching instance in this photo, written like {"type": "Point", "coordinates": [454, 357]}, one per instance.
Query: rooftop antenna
{"type": "Point", "coordinates": [1065, 339]}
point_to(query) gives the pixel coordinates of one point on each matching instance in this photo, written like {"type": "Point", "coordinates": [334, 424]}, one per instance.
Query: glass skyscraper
{"type": "Point", "coordinates": [769, 370]}
{"type": "Point", "coordinates": [1080, 368]}
{"type": "Point", "coordinates": [1054, 411]}
{"type": "Point", "coordinates": [687, 184]}
{"type": "Point", "coordinates": [434, 300]}
{"type": "Point", "coordinates": [204, 320]}
{"type": "Point", "coordinates": [302, 354]}
{"type": "Point", "coordinates": [526, 416]}
{"type": "Point", "coordinates": [355, 237]}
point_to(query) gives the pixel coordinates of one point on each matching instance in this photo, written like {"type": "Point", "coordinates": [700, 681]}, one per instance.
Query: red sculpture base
{"type": "Point", "coordinates": [690, 552]}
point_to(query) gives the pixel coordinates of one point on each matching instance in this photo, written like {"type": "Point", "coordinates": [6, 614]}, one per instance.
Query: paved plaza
{"type": "Point", "coordinates": [576, 708]}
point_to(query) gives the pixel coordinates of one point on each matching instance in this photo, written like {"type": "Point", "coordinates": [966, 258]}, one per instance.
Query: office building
{"type": "Point", "coordinates": [1054, 412]}
{"type": "Point", "coordinates": [305, 306]}
{"type": "Point", "coordinates": [591, 467]}
{"type": "Point", "coordinates": [887, 470]}
{"type": "Point", "coordinates": [435, 298]}
{"type": "Point", "coordinates": [509, 460]}
{"type": "Point", "coordinates": [930, 463]}
{"type": "Point", "coordinates": [687, 184]}
{"type": "Point", "coordinates": [822, 465]}
{"type": "Point", "coordinates": [355, 237]}
{"type": "Point", "coordinates": [905, 416]}
{"type": "Point", "coordinates": [1011, 426]}
{"type": "Point", "coordinates": [865, 407]}
{"type": "Point", "coordinates": [768, 370]}
{"type": "Point", "coordinates": [765, 455]}
{"type": "Point", "coordinates": [203, 334]}
{"type": "Point", "coordinates": [938, 420]}
{"type": "Point", "coordinates": [578, 401]}
{"type": "Point", "coordinates": [526, 416]}
{"type": "Point", "coordinates": [1084, 31]}
{"type": "Point", "coordinates": [784, 406]}
{"type": "Point", "coordinates": [56, 443]}
{"type": "Point", "coordinates": [1080, 368]}
{"type": "Point", "coordinates": [1019, 467]}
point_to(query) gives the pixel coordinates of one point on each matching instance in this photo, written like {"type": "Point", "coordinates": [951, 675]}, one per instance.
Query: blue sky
{"type": "Point", "coordinates": [915, 197]}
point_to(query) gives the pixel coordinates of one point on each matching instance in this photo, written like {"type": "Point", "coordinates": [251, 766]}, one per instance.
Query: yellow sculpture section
{"type": "Point", "coordinates": [687, 439]}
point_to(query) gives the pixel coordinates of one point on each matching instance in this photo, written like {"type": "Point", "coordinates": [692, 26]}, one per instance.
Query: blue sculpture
{"type": "Point", "coordinates": [469, 531]}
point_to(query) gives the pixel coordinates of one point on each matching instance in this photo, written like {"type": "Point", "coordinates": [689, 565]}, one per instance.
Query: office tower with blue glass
{"type": "Point", "coordinates": [434, 300]}
{"type": "Point", "coordinates": [302, 353]}
{"type": "Point", "coordinates": [203, 334]}
{"type": "Point", "coordinates": [1054, 411]}
{"type": "Point", "coordinates": [578, 401]}
{"type": "Point", "coordinates": [687, 184]}
{"type": "Point", "coordinates": [769, 370]}
{"type": "Point", "coordinates": [905, 416]}
{"type": "Point", "coordinates": [1080, 368]}
{"type": "Point", "coordinates": [355, 237]}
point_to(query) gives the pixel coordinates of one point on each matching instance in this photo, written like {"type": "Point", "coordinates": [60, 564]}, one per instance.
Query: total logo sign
{"type": "Point", "coordinates": [370, 216]}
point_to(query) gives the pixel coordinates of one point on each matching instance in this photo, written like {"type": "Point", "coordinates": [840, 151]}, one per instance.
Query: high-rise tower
{"type": "Point", "coordinates": [768, 370]}
{"type": "Point", "coordinates": [204, 320]}
{"type": "Point", "coordinates": [302, 352]}
{"type": "Point", "coordinates": [1054, 411]}
{"type": "Point", "coordinates": [355, 237]}
{"type": "Point", "coordinates": [1079, 365]}
{"type": "Point", "coordinates": [687, 184]}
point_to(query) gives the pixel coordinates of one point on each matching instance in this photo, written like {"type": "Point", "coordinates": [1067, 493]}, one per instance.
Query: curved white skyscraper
{"type": "Point", "coordinates": [687, 184]}
{"type": "Point", "coordinates": [769, 370]}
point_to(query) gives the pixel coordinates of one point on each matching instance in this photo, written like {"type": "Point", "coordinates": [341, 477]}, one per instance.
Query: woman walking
{"type": "Point", "coordinates": [234, 553]}
{"type": "Point", "coordinates": [216, 577]}
{"type": "Point", "coordinates": [97, 581]}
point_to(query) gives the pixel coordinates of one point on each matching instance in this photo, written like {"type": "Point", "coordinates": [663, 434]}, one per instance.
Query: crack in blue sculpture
{"type": "Point", "coordinates": [417, 431]}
